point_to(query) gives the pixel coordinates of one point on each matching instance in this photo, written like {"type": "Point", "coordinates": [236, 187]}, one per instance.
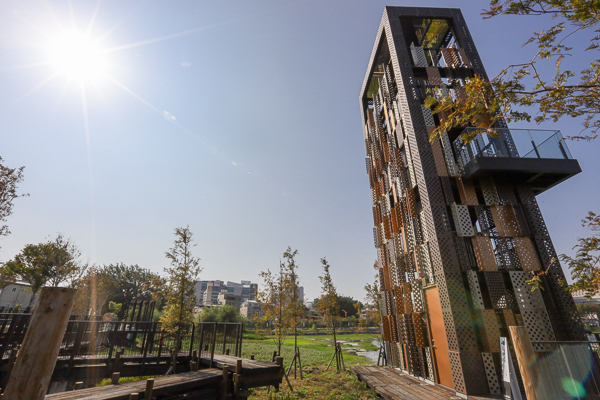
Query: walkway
{"type": "Point", "coordinates": [392, 384]}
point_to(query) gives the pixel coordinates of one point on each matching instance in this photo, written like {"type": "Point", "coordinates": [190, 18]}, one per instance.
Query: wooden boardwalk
{"type": "Point", "coordinates": [205, 382]}
{"type": "Point", "coordinates": [392, 384]}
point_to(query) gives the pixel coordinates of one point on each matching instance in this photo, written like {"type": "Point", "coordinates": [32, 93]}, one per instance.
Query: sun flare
{"type": "Point", "coordinates": [78, 57]}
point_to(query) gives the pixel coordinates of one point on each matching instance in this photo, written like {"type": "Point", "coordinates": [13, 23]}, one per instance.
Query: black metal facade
{"type": "Point", "coordinates": [477, 240]}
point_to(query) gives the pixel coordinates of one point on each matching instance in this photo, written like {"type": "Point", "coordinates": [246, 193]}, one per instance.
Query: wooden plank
{"type": "Point", "coordinates": [178, 383]}
{"type": "Point", "coordinates": [31, 374]}
{"type": "Point", "coordinates": [526, 358]}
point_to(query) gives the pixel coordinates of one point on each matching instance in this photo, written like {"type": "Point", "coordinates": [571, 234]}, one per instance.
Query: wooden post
{"type": "Point", "coordinates": [224, 337]}
{"type": "Point", "coordinates": [238, 378]}
{"type": "Point", "coordinates": [212, 351]}
{"type": "Point", "coordinates": [114, 380]}
{"type": "Point", "coordinates": [227, 351]}
{"type": "Point", "coordinates": [279, 361]}
{"type": "Point", "coordinates": [78, 385]}
{"type": "Point", "coordinates": [527, 360]}
{"type": "Point", "coordinates": [193, 366]}
{"type": "Point", "coordinates": [252, 356]}
{"type": "Point", "coordinates": [192, 339]}
{"type": "Point", "coordinates": [117, 360]}
{"type": "Point", "coordinates": [200, 345]}
{"type": "Point", "coordinates": [149, 388]}
{"type": "Point", "coordinates": [225, 391]}
{"type": "Point", "coordinates": [31, 374]}
{"type": "Point", "coordinates": [133, 396]}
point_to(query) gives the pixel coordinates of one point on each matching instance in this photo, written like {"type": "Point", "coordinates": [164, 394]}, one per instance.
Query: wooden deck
{"type": "Point", "coordinates": [206, 382]}
{"type": "Point", "coordinates": [392, 384]}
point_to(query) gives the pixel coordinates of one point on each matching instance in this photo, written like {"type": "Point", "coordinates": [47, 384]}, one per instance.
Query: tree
{"type": "Point", "coordinates": [347, 306]}
{"type": "Point", "coordinates": [182, 276]}
{"type": "Point", "coordinates": [55, 262]}
{"type": "Point", "coordinates": [585, 265]}
{"type": "Point", "coordinates": [274, 298]}
{"type": "Point", "coordinates": [566, 93]}
{"type": "Point", "coordinates": [9, 181]}
{"type": "Point", "coordinates": [226, 313]}
{"type": "Point", "coordinates": [93, 292]}
{"type": "Point", "coordinates": [131, 283]}
{"type": "Point", "coordinates": [373, 298]}
{"type": "Point", "coordinates": [589, 310]}
{"type": "Point", "coordinates": [328, 304]}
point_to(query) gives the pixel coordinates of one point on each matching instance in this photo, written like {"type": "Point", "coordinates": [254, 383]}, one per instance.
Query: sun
{"type": "Point", "coordinates": [77, 57]}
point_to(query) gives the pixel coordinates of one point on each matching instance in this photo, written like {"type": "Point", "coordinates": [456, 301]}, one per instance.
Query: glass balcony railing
{"type": "Point", "coordinates": [513, 143]}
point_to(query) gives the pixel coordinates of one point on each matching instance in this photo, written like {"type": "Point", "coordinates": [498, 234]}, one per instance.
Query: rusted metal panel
{"type": "Point", "coordinates": [484, 253]}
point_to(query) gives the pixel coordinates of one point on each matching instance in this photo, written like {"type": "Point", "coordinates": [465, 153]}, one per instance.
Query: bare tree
{"type": "Point", "coordinates": [9, 181]}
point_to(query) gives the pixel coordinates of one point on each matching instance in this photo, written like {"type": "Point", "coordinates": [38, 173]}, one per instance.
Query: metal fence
{"type": "Point", "coordinates": [90, 336]}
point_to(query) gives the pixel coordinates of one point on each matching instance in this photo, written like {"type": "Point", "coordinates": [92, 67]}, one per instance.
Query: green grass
{"type": "Point", "coordinates": [314, 350]}
{"type": "Point", "coordinates": [106, 382]}
{"type": "Point", "coordinates": [319, 384]}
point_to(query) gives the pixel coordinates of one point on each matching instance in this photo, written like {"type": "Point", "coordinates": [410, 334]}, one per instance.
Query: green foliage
{"type": "Point", "coordinates": [281, 304]}
{"type": "Point", "coordinates": [226, 313]}
{"type": "Point", "coordinates": [566, 93]}
{"type": "Point", "coordinates": [373, 299]}
{"type": "Point", "coordinates": [9, 181]}
{"type": "Point", "coordinates": [114, 307]}
{"type": "Point", "coordinates": [52, 263]}
{"type": "Point", "coordinates": [328, 303]}
{"type": "Point", "coordinates": [585, 265]}
{"type": "Point", "coordinates": [182, 276]}
{"type": "Point", "coordinates": [586, 309]}
{"type": "Point", "coordinates": [132, 283]}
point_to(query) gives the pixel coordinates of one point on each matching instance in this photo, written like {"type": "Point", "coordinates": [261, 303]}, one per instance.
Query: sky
{"type": "Point", "coordinates": [238, 119]}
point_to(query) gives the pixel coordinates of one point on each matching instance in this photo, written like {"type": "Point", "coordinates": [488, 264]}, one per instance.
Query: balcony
{"type": "Point", "coordinates": [539, 158]}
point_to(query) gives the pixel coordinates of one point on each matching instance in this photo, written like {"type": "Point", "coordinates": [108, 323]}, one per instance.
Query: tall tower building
{"type": "Point", "coordinates": [458, 230]}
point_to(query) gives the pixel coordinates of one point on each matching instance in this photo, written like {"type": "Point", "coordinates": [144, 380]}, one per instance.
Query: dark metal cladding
{"type": "Point", "coordinates": [448, 227]}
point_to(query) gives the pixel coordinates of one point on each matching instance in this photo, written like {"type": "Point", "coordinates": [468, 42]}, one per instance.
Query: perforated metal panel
{"type": "Point", "coordinates": [527, 256]}
{"type": "Point", "coordinates": [462, 220]}
{"type": "Point", "coordinates": [419, 330]}
{"type": "Point", "coordinates": [457, 371]}
{"type": "Point", "coordinates": [505, 220]}
{"type": "Point", "coordinates": [539, 327]}
{"type": "Point", "coordinates": [419, 58]}
{"type": "Point", "coordinates": [484, 253]}
{"type": "Point", "coordinates": [488, 188]}
{"type": "Point", "coordinates": [491, 374]}
{"type": "Point", "coordinates": [467, 192]}
{"type": "Point", "coordinates": [429, 121]}
{"type": "Point", "coordinates": [429, 361]}
{"type": "Point", "coordinates": [491, 331]}
{"type": "Point", "coordinates": [475, 290]}
{"type": "Point", "coordinates": [500, 297]}
{"type": "Point", "coordinates": [450, 161]}
{"type": "Point", "coordinates": [527, 298]}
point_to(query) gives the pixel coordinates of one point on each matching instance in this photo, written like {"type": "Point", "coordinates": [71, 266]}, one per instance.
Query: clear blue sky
{"type": "Point", "coordinates": [238, 118]}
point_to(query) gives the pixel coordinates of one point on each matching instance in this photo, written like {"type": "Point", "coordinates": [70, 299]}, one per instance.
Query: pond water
{"type": "Point", "coordinates": [371, 355]}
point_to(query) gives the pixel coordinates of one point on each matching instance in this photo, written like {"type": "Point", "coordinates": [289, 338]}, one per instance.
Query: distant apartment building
{"type": "Point", "coordinates": [229, 299]}
{"type": "Point", "coordinates": [207, 292]}
{"type": "Point", "coordinates": [251, 309]}
{"type": "Point", "coordinates": [17, 294]}
{"type": "Point", "coordinates": [580, 296]}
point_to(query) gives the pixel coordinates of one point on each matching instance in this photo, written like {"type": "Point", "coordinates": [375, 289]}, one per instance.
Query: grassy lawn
{"type": "Point", "coordinates": [319, 384]}
{"type": "Point", "coordinates": [316, 351]}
